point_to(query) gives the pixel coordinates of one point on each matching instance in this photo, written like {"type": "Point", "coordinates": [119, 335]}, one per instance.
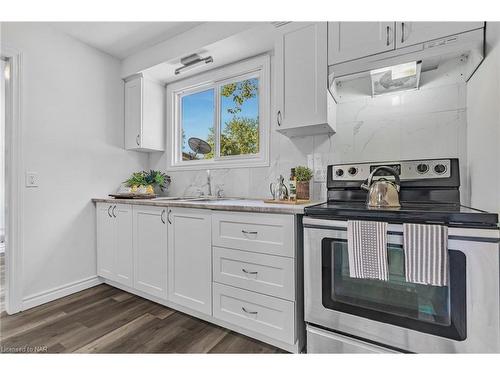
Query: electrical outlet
{"type": "Point", "coordinates": [31, 179]}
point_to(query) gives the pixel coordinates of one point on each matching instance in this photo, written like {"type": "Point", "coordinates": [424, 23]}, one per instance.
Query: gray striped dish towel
{"type": "Point", "coordinates": [367, 249]}
{"type": "Point", "coordinates": [426, 254]}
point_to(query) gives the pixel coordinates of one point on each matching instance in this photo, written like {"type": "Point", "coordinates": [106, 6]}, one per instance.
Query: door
{"type": "Point", "coordinates": [150, 250]}
{"type": "Point", "coordinates": [409, 33]}
{"type": "Point", "coordinates": [461, 317]}
{"type": "Point", "coordinates": [133, 113]}
{"type": "Point", "coordinates": [301, 75]}
{"type": "Point", "coordinates": [353, 40]}
{"type": "Point", "coordinates": [190, 259]}
{"type": "Point", "coordinates": [124, 250]}
{"type": "Point", "coordinates": [105, 241]}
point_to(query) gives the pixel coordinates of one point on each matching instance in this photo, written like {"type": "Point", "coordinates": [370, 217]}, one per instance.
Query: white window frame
{"type": "Point", "coordinates": [257, 67]}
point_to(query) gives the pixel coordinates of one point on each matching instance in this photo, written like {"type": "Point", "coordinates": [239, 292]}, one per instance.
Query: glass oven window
{"type": "Point", "coordinates": [431, 309]}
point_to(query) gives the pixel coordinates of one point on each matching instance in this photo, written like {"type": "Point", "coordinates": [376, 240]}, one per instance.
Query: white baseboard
{"type": "Point", "coordinates": [59, 292]}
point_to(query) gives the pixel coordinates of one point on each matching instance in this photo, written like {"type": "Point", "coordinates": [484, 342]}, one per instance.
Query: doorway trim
{"type": "Point", "coordinates": [13, 184]}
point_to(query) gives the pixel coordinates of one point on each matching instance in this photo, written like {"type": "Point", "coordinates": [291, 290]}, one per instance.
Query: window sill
{"type": "Point", "coordinates": [233, 164]}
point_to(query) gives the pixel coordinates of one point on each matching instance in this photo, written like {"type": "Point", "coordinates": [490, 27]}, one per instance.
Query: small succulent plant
{"type": "Point", "coordinates": [144, 178]}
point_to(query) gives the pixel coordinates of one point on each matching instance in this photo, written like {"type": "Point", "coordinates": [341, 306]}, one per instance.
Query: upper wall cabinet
{"type": "Point", "coordinates": [409, 33]}
{"type": "Point", "coordinates": [144, 114]}
{"type": "Point", "coordinates": [353, 40]}
{"type": "Point", "coordinates": [350, 41]}
{"type": "Point", "coordinates": [301, 79]}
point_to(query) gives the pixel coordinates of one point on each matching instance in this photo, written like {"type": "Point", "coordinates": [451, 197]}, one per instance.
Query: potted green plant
{"type": "Point", "coordinates": [303, 176]}
{"type": "Point", "coordinates": [152, 182]}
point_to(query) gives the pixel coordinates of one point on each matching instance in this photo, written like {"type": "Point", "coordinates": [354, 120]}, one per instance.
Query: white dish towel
{"type": "Point", "coordinates": [426, 254]}
{"type": "Point", "coordinates": [367, 249]}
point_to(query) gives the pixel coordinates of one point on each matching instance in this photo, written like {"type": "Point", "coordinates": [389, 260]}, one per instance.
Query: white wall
{"type": "Point", "coordinates": [72, 120]}
{"type": "Point", "coordinates": [483, 132]}
{"type": "Point", "coordinates": [428, 123]}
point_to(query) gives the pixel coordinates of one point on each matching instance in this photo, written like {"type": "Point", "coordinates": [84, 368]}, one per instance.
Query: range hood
{"type": "Point", "coordinates": [468, 47]}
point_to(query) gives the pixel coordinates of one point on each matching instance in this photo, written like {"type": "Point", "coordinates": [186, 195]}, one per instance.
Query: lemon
{"type": "Point", "coordinates": [149, 189]}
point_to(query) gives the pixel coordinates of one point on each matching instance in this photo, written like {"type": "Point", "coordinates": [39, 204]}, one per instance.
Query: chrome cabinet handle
{"type": "Point", "coordinates": [113, 211]}
{"type": "Point", "coordinates": [168, 216]}
{"type": "Point", "coordinates": [402, 32]}
{"type": "Point", "coordinates": [249, 312]}
{"type": "Point", "coordinates": [248, 231]}
{"type": "Point", "coordinates": [250, 272]}
{"type": "Point", "coordinates": [161, 216]}
{"type": "Point", "coordinates": [137, 139]}
{"type": "Point", "coordinates": [278, 118]}
{"type": "Point", "coordinates": [109, 208]}
{"type": "Point", "coordinates": [388, 31]}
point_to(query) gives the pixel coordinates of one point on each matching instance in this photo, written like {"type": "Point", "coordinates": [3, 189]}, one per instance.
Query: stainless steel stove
{"type": "Point", "coordinates": [360, 315]}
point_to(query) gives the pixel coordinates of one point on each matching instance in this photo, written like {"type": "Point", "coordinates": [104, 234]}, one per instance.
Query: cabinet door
{"type": "Point", "coordinates": [105, 241]}
{"type": "Point", "coordinates": [301, 75]}
{"type": "Point", "coordinates": [124, 250]}
{"type": "Point", "coordinates": [150, 250]}
{"type": "Point", "coordinates": [409, 33]}
{"type": "Point", "coordinates": [353, 40]}
{"type": "Point", "coordinates": [133, 113]}
{"type": "Point", "coordinates": [190, 259]}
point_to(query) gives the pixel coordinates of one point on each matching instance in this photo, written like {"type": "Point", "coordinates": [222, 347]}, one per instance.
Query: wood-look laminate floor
{"type": "Point", "coordinates": [104, 319]}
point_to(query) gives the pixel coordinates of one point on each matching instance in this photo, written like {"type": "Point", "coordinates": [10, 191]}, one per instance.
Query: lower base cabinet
{"type": "Point", "coordinates": [150, 250]}
{"type": "Point", "coordinates": [114, 243]}
{"type": "Point", "coordinates": [190, 258]}
{"type": "Point", "coordinates": [180, 257]}
{"type": "Point", "coordinates": [269, 316]}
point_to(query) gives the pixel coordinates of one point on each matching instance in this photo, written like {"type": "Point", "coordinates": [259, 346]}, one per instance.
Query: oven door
{"type": "Point", "coordinates": [462, 317]}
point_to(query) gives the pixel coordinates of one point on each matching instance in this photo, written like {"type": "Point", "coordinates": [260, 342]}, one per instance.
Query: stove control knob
{"type": "Point", "coordinates": [440, 168]}
{"type": "Point", "coordinates": [339, 172]}
{"type": "Point", "coordinates": [422, 168]}
{"type": "Point", "coordinates": [352, 171]}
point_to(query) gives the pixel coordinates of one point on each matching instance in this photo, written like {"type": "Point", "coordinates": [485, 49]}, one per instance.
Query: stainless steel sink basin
{"type": "Point", "coordinates": [205, 199]}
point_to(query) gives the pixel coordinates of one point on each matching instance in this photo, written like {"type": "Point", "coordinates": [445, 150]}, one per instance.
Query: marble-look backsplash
{"type": "Point", "coordinates": [426, 123]}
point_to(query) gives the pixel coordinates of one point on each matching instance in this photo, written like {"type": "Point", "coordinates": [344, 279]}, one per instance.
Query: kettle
{"type": "Point", "coordinates": [382, 193]}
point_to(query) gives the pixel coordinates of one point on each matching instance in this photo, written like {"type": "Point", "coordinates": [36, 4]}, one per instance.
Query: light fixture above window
{"type": "Point", "coordinates": [396, 78]}
{"type": "Point", "coordinates": [193, 61]}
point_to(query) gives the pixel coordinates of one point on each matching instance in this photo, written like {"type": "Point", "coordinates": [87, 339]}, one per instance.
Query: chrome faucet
{"type": "Point", "coordinates": [209, 183]}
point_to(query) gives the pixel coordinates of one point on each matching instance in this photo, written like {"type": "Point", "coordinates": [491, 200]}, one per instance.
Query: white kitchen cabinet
{"type": "Point", "coordinates": [150, 234]}
{"type": "Point", "coordinates": [262, 233]}
{"type": "Point", "coordinates": [409, 33]}
{"type": "Point", "coordinates": [301, 79]}
{"type": "Point", "coordinates": [353, 40]}
{"type": "Point", "coordinates": [272, 317]}
{"type": "Point", "coordinates": [190, 259]}
{"type": "Point", "coordinates": [114, 242]}
{"type": "Point", "coordinates": [144, 114]}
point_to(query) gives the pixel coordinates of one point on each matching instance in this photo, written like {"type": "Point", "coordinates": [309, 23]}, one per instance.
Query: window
{"type": "Point", "coordinates": [220, 118]}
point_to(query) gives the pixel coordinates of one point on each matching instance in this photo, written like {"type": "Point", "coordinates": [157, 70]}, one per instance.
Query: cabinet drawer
{"type": "Point", "coordinates": [262, 233]}
{"type": "Point", "coordinates": [266, 315]}
{"type": "Point", "coordinates": [322, 341]}
{"type": "Point", "coordinates": [268, 274]}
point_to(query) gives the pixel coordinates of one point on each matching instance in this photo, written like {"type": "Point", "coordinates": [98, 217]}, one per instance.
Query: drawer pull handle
{"type": "Point", "coordinates": [249, 312]}
{"type": "Point", "coordinates": [250, 272]}
{"type": "Point", "coordinates": [248, 231]}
